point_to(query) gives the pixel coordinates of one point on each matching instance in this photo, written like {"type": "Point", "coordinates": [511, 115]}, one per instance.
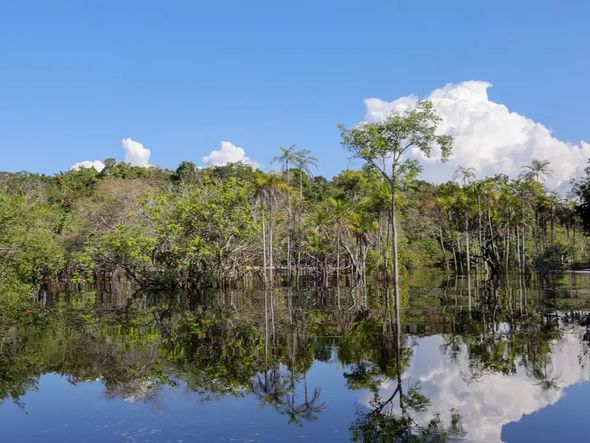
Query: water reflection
{"type": "Point", "coordinates": [470, 357]}
{"type": "Point", "coordinates": [466, 400]}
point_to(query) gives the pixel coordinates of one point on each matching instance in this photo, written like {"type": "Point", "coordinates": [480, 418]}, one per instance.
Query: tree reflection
{"type": "Point", "coordinates": [277, 386]}
{"type": "Point", "coordinates": [386, 419]}
{"type": "Point", "coordinates": [263, 343]}
{"type": "Point", "coordinates": [388, 422]}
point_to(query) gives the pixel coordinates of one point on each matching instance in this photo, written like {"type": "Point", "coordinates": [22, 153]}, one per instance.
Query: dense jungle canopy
{"type": "Point", "coordinates": [217, 226]}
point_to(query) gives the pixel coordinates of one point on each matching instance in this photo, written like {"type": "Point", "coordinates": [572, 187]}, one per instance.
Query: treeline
{"type": "Point", "coordinates": [193, 227]}
{"type": "Point", "coordinates": [217, 225]}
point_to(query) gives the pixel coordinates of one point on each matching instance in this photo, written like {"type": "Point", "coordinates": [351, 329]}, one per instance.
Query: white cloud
{"type": "Point", "coordinates": [228, 153]}
{"type": "Point", "coordinates": [135, 153]}
{"type": "Point", "coordinates": [488, 136]}
{"type": "Point", "coordinates": [87, 164]}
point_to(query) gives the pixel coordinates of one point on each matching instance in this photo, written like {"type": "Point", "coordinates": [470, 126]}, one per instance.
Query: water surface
{"type": "Point", "coordinates": [501, 361]}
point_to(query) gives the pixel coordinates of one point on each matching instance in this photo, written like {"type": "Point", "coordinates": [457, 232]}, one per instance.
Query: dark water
{"type": "Point", "coordinates": [504, 361]}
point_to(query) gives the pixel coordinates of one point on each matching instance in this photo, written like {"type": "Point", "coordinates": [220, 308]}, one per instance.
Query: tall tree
{"type": "Point", "coordinates": [288, 157]}
{"type": "Point", "coordinates": [383, 146]}
{"type": "Point", "coordinates": [537, 170]}
{"type": "Point", "coordinates": [270, 187]}
{"type": "Point", "coordinates": [466, 176]}
{"type": "Point", "coordinates": [304, 162]}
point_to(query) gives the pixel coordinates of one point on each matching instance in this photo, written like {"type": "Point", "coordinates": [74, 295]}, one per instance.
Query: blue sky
{"type": "Point", "coordinates": [76, 77]}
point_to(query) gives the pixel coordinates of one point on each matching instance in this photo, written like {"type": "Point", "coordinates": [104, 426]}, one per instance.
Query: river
{"type": "Point", "coordinates": [500, 361]}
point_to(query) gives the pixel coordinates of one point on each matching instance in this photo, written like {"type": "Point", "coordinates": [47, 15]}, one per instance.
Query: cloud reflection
{"type": "Point", "coordinates": [489, 401]}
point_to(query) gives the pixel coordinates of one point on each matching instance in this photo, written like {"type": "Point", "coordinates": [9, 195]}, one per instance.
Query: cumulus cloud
{"type": "Point", "coordinates": [135, 153]}
{"type": "Point", "coordinates": [488, 136]}
{"type": "Point", "coordinates": [228, 153]}
{"type": "Point", "coordinates": [87, 164]}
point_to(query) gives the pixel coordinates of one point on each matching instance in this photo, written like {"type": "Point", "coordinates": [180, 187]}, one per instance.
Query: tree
{"type": "Point", "coordinates": [466, 175]}
{"type": "Point", "coordinates": [269, 187]}
{"type": "Point", "coordinates": [288, 157]}
{"type": "Point", "coordinates": [383, 146]}
{"type": "Point", "coordinates": [537, 170]}
{"type": "Point", "coordinates": [186, 172]}
{"type": "Point", "coordinates": [304, 161]}
{"type": "Point", "coordinates": [338, 211]}
{"type": "Point", "coordinates": [582, 192]}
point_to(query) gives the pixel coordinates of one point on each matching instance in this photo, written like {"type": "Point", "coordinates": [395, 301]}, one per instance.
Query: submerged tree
{"type": "Point", "coordinates": [269, 187]}
{"type": "Point", "coordinates": [304, 162]}
{"type": "Point", "coordinates": [287, 158]}
{"type": "Point", "coordinates": [384, 146]}
{"type": "Point", "coordinates": [466, 176]}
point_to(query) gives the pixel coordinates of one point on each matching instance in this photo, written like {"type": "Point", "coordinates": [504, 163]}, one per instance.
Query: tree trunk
{"type": "Point", "coordinates": [493, 243]}
{"type": "Point", "coordinates": [552, 225]}
{"type": "Point", "coordinates": [507, 255]}
{"type": "Point", "coordinates": [299, 227]}
{"type": "Point", "coordinates": [453, 247]}
{"type": "Point", "coordinates": [467, 255]}
{"type": "Point", "coordinates": [288, 222]}
{"type": "Point", "coordinates": [518, 254]}
{"type": "Point", "coordinates": [468, 258]}
{"type": "Point", "coordinates": [264, 265]}
{"type": "Point", "coordinates": [459, 249]}
{"type": "Point", "coordinates": [444, 251]}
{"type": "Point", "coordinates": [574, 232]}
{"type": "Point", "coordinates": [523, 259]}
{"type": "Point", "coordinates": [396, 291]}
{"type": "Point", "coordinates": [300, 187]}
{"type": "Point", "coordinates": [338, 258]}
{"type": "Point", "coordinates": [270, 227]}
{"type": "Point", "coordinates": [480, 234]}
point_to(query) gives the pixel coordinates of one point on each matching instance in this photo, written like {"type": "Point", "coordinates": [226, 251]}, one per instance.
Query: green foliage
{"type": "Point", "coordinates": [387, 141]}
{"type": "Point", "coordinates": [582, 192]}
{"type": "Point", "coordinates": [30, 237]}
{"type": "Point", "coordinates": [554, 258]}
{"type": "Point", "coordinates": [15, 298]}
{"type": "Point", "coordinates": [211, 226]}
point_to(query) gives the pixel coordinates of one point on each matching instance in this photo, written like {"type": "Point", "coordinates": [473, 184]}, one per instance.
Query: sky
{"type": "Point", "coordinates": [155, 83]}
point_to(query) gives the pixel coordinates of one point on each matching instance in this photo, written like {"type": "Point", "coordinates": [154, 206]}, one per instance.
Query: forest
{"type": "Point", "coordinates": [223, 226]}
{"type": "Point", "coordinates": [229, 281]}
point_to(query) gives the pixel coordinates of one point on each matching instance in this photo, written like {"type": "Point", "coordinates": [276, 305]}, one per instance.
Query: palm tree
{"type": "Point", "coordinates": [268, 188]}
{"type": "Point", "coordinates": [288, 156]}
{"type": "Point", "coordinates": [537, 170]}
{"type": "Point", "coordinates": [465, 174]}
{"type": "Point", "coordinates": [338, 212]}
{"type": "Point", "coordinates": [271, 388]}
{"type": "Point", "coordinates": [304, 161]}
